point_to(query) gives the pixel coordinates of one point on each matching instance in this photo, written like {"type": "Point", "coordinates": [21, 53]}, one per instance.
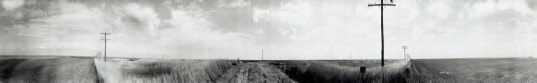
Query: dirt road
{"type": "Point", "coordinates": [255, 72]}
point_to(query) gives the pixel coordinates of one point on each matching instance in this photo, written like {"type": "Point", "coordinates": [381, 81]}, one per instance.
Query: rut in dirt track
{"type": "Point", "coordinates": [255, 72]}
{"type": "Point", "coordinates": [422, 71]}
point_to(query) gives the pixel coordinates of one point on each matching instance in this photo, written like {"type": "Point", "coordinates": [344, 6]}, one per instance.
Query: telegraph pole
{"type": "Point", "coordinates": [382, 5]}
{"type": "Point", "coordinates": [408, 56]}
{"type": "Point", "coordinates": [98, 55]}
{"type": "Point", "coordinates": [105, 34]}
{"type": "Point", "coordinates": [404, 51]}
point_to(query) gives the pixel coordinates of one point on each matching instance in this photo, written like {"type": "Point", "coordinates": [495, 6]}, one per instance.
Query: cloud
{"type": "Point", "coordinates": [232, 3]}
{"type": "Point", "coordinates": [69, 33]}
{"type": "Point", "coordinates": [283, 29]}
{"type": "Point", "coordinates": [12, 4]}
{"type": "Point", "coordinates": [532, 4]}
{"type": "Point", "coordinates": [141, 17]}
{"type": "Point", "coordinates": [191, 30]}
{"type": "Point", "coordinates": [479, 10]}
{"type": "Point", "coordinates": [440, 9]}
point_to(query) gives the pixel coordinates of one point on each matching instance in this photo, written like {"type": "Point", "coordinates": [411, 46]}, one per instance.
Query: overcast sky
{"type": "Point", "coordinates": [284, 29]}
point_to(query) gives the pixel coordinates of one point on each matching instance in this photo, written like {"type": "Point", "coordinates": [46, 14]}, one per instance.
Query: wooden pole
{"type": "Point", "coordinates": [105, 34]}
{"type": "Point", "coordinates": [404, 51]}
{"type": "Point", "coordinates": [382, 5]}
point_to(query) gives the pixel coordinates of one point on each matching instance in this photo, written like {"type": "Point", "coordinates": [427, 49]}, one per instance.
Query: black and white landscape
{"type": "Point", "coordinates": [268, 41]}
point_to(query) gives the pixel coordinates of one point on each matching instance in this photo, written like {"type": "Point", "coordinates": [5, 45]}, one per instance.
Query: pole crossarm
{"type": "Point", "coordinates": [106, 33]}
{"type": "Point", "coordinates": [381, 5]}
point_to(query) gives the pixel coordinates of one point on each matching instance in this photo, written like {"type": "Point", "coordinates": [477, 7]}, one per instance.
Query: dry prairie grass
{"type": "Point", "coordinates": [502, 70]}
{"type": "Point", "coordinates": [334, 71]}
{"type": "Point", "coordinates": [48, 70]}
{"type": "Point", "coordinates": [86, 70]}
{"type": "Point", "coordinates": [161, 71]}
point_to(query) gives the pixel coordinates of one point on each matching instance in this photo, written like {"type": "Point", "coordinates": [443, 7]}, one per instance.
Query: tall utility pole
{"type": "Point", "coordinates": [105, 34]}
{"type": "Point", "coordinates": [382, 5]}
{"type": "Point", "coordinates": [404, 51]}
{"type": "Point", "coordinates": [262, 54]}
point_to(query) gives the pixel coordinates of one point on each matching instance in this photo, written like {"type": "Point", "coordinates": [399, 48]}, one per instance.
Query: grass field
{"type": "Point", "coordinates": [47, 70]}
{"type": "Point", "coordinates": [160, 71]}
{"type": "Point", "coordinates": [173, 71]}
{"type": "Point", "coordinates": [343, 71]}
{"type": "Point", "coordinates": [130, 70]}
{"type": "Point", "coordinates": [507, 70]}
{"type": "Point", "coordinates": [247, 71]}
